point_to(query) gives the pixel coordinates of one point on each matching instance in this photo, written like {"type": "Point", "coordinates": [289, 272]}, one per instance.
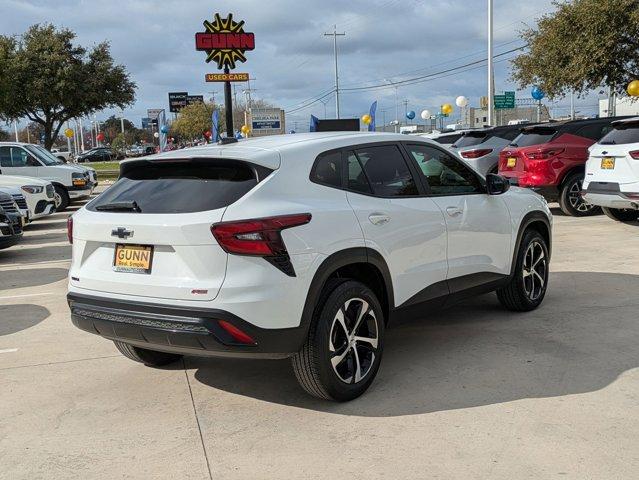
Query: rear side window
{"type": "Point", "coordinates": [626, 133]}
{"type": "Point", "coordinates": [387, 171]}
{"type": "Point", "coordinates": [328, 169]}
{"type": "Point", "coordinates": [534, 137]}
{"type": "Point", "coordinates": [182, 186]}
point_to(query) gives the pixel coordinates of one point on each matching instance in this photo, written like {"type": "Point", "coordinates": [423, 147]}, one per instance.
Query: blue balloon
{"type": "Point", "coordinates": [164, 129]}
{"type": "Point", "coordinates": [410, 115]}
{"type": "Point", "coordinates": [537, 93]}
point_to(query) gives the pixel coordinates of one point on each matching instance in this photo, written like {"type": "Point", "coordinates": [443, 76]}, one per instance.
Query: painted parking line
{"type": "Point", "coordinates": [9, 350]}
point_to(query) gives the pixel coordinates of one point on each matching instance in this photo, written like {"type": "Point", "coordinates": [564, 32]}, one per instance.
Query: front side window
{"type": "Point", "coordinates": [16, 157]}
{"type": "Point", "coordinates": [445, 175]}
{"type": "Point", "coordinates": [5, 157]}
{"type": "Point", "coordinates": [387, 171]}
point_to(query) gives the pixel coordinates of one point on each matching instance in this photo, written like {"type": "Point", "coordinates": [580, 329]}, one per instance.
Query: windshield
{"type": "Point", "coordinates": [528, 138]}
{"type": "Point", "coordinates": [470, 139]}
{"type": "Point", "coordinates": [44, 155]}
{"type": "Point", "coordinates": [624, 133]}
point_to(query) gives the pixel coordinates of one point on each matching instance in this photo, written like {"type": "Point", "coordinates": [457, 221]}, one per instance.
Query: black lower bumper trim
{"type": "Point", "coordinates": [193, 331]}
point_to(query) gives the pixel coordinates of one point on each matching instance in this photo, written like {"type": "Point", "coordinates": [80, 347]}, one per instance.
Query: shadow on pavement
{"type": "Point", "coordinates": [31, 277]}
{"type": "Point", "coordinates": [14, 318]}
{"type": "Point", "coordinates": [44, 238]}
{"type": "Point", "coordinates": [22, 256]}
{"type": "Point", "coordinates": [580, 340]}
{"type": "Point", "coordinates": [45, 225]}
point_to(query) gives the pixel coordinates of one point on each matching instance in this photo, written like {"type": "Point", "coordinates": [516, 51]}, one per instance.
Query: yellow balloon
{"type": "Point", "coordinates": [633, 88]}
{"type": "Point", "coordinates": [447, 108]}
{"type": "Point", "coordinates": [68, 133]}
{"type": "Point", "coordinates": [367, 119]}
{"type": "Point", "coordinates": [245, 129]}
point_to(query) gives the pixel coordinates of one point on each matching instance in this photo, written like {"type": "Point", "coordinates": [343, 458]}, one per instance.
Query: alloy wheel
{"type": "Point", "coordinates": [353, 341]}
{"type": "Point", "coordinates": [576, 200]}
{"type": "Point", "coordinates": [535, 271]}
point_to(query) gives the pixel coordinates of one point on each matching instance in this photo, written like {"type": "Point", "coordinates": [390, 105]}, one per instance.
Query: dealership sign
{"type": "Point", "coordinates": [224, 41]}
{"type": "Point", "coordinates": [177, 101]}
{"type": "Point", "coordinates": [226, 77]}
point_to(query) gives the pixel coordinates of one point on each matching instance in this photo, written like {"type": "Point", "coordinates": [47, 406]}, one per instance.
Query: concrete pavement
{"type": "Point", "coordinates": [473, 392]}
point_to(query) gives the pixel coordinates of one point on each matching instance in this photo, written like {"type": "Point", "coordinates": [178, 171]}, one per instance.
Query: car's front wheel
{"type": "Point", "coordinates": [344, 347]}
{"type": "Point", "coordinates": [621, 214]}
{"type": "Point", "coordinates": [570, 200]}
{"type": "Point", "coordinates": [150, 358]}
{"type": "Point", "coordinates": [63, 197]}
{"type": "Point", "coordinates": [527, 287]}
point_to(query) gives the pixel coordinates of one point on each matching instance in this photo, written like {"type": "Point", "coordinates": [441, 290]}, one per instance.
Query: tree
{"type": "Point", "coordinates": [193, 120]}
{"type": "Point", "coordinates": [48, 79]}
{"type": "Point", "coordinates": [112, 127]}
{"type": "Point", "coordinates": [583, 45]}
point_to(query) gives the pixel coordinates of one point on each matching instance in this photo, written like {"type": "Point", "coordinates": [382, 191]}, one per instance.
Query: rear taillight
{"type": "Point", "coordinates": [634, 154]}
{"type": "Point", "coordinates": [476, 153]}
{"type": "Point", "coordinates": [260, 236]}
{"type": "Point", "coordinates": [544, 154]}
{"type": "Point", "coordinates": [70, 229]}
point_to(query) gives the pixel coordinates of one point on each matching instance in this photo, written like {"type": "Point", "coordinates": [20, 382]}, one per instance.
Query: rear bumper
{"type": "Point", "coordinates": [549, 192]}
{"type": "Point", "coordinates": [608, 194]}
{"type": "Point", "coordinates": [192, 331]}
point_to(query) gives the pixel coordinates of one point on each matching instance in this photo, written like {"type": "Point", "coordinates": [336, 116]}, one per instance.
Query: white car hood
{"type": "Point", "coordinates": [11, 180]}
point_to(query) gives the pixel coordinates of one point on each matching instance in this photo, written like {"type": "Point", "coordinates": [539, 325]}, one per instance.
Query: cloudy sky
{"type": "Point", "coordinates": [293, 60]}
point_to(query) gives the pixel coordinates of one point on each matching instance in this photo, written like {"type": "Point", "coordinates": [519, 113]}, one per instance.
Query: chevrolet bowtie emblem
{"type": "Point", "coordinates": [121, 232]}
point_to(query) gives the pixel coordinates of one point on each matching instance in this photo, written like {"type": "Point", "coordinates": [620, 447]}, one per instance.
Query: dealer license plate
{"type": "Point", "coordinates": [607, 163]}
{"type": "Point", "coordinates": [133, 258]}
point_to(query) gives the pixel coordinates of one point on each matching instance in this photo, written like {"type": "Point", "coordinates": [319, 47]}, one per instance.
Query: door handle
{"type": "Point", "coordinates": [454, 211]}
{"type": "Point", "coordinates": [378, 218]}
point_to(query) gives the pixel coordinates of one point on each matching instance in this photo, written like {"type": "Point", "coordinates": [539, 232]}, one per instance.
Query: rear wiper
{"type": "Point", "coordinates": [608, 142]}
{"type": "Point", "coordinates": [129, 206]}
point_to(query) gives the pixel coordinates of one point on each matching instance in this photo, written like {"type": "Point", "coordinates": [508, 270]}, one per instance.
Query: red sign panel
{"type": "Point", "coordinates": [225, 41]}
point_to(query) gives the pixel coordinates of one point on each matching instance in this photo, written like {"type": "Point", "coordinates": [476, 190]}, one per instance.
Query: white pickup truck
{"type": "Point", "coordinates": [70, 182]}
{"type": "Point", "coordinates": [64, 155]}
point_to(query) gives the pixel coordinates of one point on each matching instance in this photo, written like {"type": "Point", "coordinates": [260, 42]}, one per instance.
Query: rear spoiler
{"type": "Point", "coordinates": [622, 124]}
{"type": "Point", "coordinates": [539, 129]}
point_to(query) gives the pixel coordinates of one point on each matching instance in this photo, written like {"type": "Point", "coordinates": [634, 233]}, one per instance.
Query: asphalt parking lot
{"type": "Point", "coordinates": [469, 392]}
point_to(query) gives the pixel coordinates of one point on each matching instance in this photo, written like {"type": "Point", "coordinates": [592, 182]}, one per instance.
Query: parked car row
{"type": "Point", "coordinates": [549, 158]}
{"type": "Point", "coordinates": [34, 183]}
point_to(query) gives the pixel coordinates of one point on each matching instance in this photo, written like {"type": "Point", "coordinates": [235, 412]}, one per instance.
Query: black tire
{"type": "Point", "coordinates": [621, 214]}
{"type": "Point", "coordinates": [518, 295]}
{"type": "Point", "coordinates": [570, 200]}
{"type": "Point", "coordinates": [312, 364]}
{"type": "Point", "coordinates": [64, 197]}
{"type": "Point", "coordinates": [150, 358]}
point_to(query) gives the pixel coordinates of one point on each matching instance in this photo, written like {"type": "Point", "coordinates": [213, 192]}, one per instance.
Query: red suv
{"type": "Point", "coordinates": [550, 158]}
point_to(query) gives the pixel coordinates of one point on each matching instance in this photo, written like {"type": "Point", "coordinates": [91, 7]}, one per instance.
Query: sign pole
{"type": "Point", "coordinates": [228, 107]}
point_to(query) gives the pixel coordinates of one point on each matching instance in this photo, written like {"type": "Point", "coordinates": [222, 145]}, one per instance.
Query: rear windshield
{"type": "Point", "coordinates": [180, 187]}
{"type": "Point", "coordinates": [534, 137]}
{"type": "Point", "coordinates": [448, 139]}
{"type": "Point", "coordinates": [469, 139]}
{"type": "Point", "coordinates": [627, 133]}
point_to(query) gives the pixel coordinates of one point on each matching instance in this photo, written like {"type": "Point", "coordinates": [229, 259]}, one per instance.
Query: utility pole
{"type": "Point", "coordinates": [491, 81]}
{"type": "Point", "coordinates": [212, 97]}
{"type": "Point", "coordinates": [81, 135]}
{"type": "Point", "coordinates": [15, 127]}
{"type": "Point", "coordinates": [406, 110]}
{"type": "Point", "coordinates": [324, 103]}
{"type": "Point", "coordinates": [396, 104]}
{"type": "Point", "coordinates": [335, 35]}
{"type": "Point", "coordinates": [572, 105]}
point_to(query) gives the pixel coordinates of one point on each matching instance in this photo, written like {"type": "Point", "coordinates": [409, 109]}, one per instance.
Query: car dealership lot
{"type": "Point", "coordinates": [469, 392]}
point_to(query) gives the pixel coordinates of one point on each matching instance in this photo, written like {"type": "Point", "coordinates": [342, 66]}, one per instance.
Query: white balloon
{"type": "Point", "coordinates": [425, 115]}
{"type": "Point", "coordinates": [156, 134]}
{"type": "Point", "coordinates": [461, 101]}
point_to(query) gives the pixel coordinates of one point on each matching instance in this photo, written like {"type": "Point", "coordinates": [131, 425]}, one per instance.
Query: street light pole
{"type": "Point", "coordinates": [335, 35]}
{"type": "Point", "coordinates": [491, 80]}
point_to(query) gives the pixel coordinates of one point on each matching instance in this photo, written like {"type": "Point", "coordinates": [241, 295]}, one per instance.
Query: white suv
{"type": "Point", "coordinates": [304, 246]}
{"type": "Point", "coordinates": [612, 172]}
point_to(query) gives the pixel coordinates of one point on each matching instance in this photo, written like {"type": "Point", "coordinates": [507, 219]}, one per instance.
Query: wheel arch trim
{"type": "Point", "coordinates": [529, 219]}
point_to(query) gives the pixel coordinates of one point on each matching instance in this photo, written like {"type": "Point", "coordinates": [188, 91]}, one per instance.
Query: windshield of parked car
{"type": "Point", "coordinates": [528, 138]}
{"type": "Point", "coordinates": [44, 155]}
{"type": "Point", "coordinates": [469, 139]}
{"type": "Point", "coordinates": [621, 134]}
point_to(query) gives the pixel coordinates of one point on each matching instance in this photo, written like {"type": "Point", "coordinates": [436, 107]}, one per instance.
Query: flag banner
{"type": "Point", "coordinates": [216, 126]}
{"type": "Point", "coordinates": [371, 126]}
{"type": "Point", "coordinates": [314, 122]}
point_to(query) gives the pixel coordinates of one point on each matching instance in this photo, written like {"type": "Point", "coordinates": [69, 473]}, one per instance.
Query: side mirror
{"type": "Point", "coordinates": [496, 184]}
